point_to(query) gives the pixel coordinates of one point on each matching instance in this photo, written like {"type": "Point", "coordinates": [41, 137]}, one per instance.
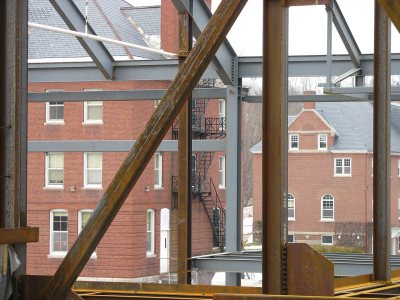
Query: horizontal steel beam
{"type": "Point", "coordinates": [346, 264]}
{"type": "Point", "coordinates": [358, 90]}
{"type": "Point", "coordinates": [248, 67]}
{"type": "Point", "coordinates": [315, 98]}
{"type": "Point", "coordinates": [119, 146]}
{"type": "Point", "coordinates": [201, 93]}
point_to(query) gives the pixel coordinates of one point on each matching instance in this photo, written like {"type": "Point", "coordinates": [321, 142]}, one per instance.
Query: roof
{"type": "Point", "coordinates": [353, 123]}
{"type": "Point", "coordinates": [106, 17]}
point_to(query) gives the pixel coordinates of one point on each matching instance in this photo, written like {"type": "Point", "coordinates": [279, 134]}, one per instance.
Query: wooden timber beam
{"type": "Point", "coordinates": [19, 235]}
{"type": "Point", "coordinates": [392, 8]}
{"type": "Point", "coordinates": [305, 2]}
{"type": "Point", "coordinates": [128, 174]}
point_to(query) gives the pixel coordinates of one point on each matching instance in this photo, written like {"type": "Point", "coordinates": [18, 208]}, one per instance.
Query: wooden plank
{"type": "Point", "coordinates": [392, 8]}
{"type": "Point", "coordinates": [21, 235]}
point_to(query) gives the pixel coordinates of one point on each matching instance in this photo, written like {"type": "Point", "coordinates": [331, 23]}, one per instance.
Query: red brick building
{"type": "Point", "coordinates": [330, 175]}
{"type": "Point", "coordinates": [65, 186]}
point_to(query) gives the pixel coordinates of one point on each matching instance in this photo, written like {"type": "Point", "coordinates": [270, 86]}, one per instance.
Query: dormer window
{"type": "Point", "coordinates": [322, 141]}
{"type": "Point", "coordinates": [293, 142]}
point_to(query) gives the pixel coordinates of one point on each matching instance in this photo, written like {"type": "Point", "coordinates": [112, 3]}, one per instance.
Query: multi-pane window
{"type": "Point", "coordinates": [93, 169]}
{"type": "Point", "coordinates": [55, 110]}
{"type": "Point", "coordinates": [54, 169]}
{"type": "Point", "coordinates": [343, 166]}
{"type": "Point", "coordinates": [326, 239]}
{"type": "Point", "coordinates": [58, 232]}
{"type": "Point", "coordinates": [150, 232]}
{"type": "Point", "coordinates": [293, 142]}
{"type": "Point", "coordinates": [322, 141]}
{"type": "Point", "coordinates": [158, 170]}
{"type": "Point", "coordinates": [83, 218]}
{"type": "Point", "coordinates": [327, 207]}
{"type": "Point", "coordinates": [93, 112]}
{"type": "Point", "coordinates": [290, 238]}
{"type": "Point", "coordinates": [221, 172]}
{"type": "Point", "coordinates": [291, 207]}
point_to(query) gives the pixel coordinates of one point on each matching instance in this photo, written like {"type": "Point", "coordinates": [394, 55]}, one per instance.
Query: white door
{"type": "Point", "coordinates": [164, 241]}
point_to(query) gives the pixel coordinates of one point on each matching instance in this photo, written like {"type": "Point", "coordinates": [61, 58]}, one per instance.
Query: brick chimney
{"type": "Point", "coordinates": [309, 105]}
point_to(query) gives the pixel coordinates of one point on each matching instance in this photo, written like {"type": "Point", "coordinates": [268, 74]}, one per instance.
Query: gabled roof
{"type": "Point", "coordinates": [353, 123]}
{"type": "Point", "coordinates": [106, 18]}
{"type": "Point", "coordinates": [319, 115]}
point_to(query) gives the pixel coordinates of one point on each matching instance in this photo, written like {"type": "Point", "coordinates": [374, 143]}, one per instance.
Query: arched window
{"type": "Point", "coordinates": [327, 207]}
{"type": "Point", "coordinates": [150, 232]}
{"type": "Point", "coordinates": [291, 207]}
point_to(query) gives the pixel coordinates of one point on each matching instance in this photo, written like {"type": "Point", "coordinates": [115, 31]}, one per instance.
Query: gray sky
{"type": "Point", "coordinates": [307, 35]}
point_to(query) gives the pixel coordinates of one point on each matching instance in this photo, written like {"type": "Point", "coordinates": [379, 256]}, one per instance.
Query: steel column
{"type": "Point", "coordinates": [185, 164]}
{"type": "Point", "coordinates": [382, 153]}
{"type": "Point", "coordinates": [329, 47]}
{"type": "Point", "coordinates": [139, 156]}
{"type": "Point", "coordinates": [13, 117]}
{"type": "Point", "coordinates": [274, 136]}
{"type": "Point", "coordinates": [233, 177]}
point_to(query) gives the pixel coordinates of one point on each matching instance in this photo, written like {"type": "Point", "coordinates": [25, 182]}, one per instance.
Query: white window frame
{"type": "Point", "coordinates": [85, 172]}
{"type": "Point", "coordinates": [151, 230]}
{"type": "Point", "coordinates": [87, 104]}
{"type": "Point", "coordinates": [222, 172]}
{"type": "Point", "coordinates": [322, 138]}
{"type": "Point", "coordinates": [157, 103]}
{"type": "Point", "coordinates": [324, 218]}
{"type": "Point", "coordinates": [80, 212]}
{"type": "Point", "coordinates": [54, 121]}
{"type": "Point", "coordinates": [47, 177]}
{"type": "Point", "coordinates": [326, 235]}
{"type": "Point", "coordinates": [158, 161]}
{"type": "Point", "coordinates": [53, 253]}
{"type": "Point", "coordinates": [291, 136]}
{"type": "Point", "coordinates": [222, 113]}
{"type": "Point", "coordinates": [294, 207]}
{"type": "Point", "coordinates": [342, 160]}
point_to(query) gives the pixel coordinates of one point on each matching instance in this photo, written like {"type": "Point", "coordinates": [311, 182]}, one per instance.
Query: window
{"type": "Point", "coordinates": [54, 110]}
{"type": "Point", "coordinates": [291, 207]}
{"type": "Point", "coordinates": [290, 238]}
{"type": "Point", "coordinates": [342, 166]}
{"type": "Point", "coordinates": [157, 170]}
{"type": "Point", "coordinates": [221, 172]}
{"type": "Point", "coordinates": [222, 114]}
{"type": "Point", "coordinates": [398, 168]}
{"type": "Point", "coordinates": [93, 165]}
{"type": "Point", "coordinates": [83, 218]}
{"type": "Point", "coordinates": [58, 232]}
{"type": "Point", "coordinates": [326, 239]}
{"type": "Point", "coordinates": [293, 142]}
{"type": "Point", "coordinates": [156, 103]}
{"type": "Point", "coordinates": [327, 207]}
{"type": "Point", "coordinates": [150, 233]}
{"type": "Point", "coordinates": [398, 208]}
{"type": "Point", "coordinates": [93, 112]}
{"type": "Point", "coordinates": [54, 169]}
{"type": "Point", "coordinates": [322, 141]}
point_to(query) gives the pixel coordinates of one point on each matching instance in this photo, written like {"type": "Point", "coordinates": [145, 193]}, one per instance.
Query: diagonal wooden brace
{"type": "Point", "coordinates": [139, 156]}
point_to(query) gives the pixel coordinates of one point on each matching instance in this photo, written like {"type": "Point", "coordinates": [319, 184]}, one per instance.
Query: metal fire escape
{"type": "Point", "coordinates": [203, 187]}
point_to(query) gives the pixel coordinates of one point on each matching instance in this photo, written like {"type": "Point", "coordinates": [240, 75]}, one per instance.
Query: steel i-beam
{"type": "Point", "coordinates": [178, 92]}
{"type": "Point", "coordinates": [274, 148]}
{"type": "Point", "coordinates": [381, 134]}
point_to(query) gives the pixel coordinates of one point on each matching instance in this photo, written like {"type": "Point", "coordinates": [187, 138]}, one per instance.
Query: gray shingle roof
{"type": "Point", "coordinates": [106, 18]}
{"type": "Point", "coordinates": [353, 123]}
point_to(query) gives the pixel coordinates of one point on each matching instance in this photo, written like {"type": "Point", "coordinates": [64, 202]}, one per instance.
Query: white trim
{"type": "Point", "coordinates": [94, 254]}
{"type": "Point", "coordinates": [290, 142]}
{"type": "Point", "coordinates": [350, 151]}
{"type": "Point", "coordinates": [326, 219]}
{"type": "Point", "coordinates": [222, 171]}
{"type": "Point", "coordinates": [47, 111]}
{"type": "Point", "coordinates": [343, 174]}
{"type": "Point", "coordinates": [294, 208]}
{"type": "Point", "coordinates": [85, 184]}
{"type": "Point", "coordinates": [158, 160]}
{"type": "Point", "coordinates": [157, 103]}
{"type": "Point", "coordinates": [319, 140]}
{"type": "Point", "coordinates": [52, 253]}
{"type": "Point", "coordinates": [322, 243]}
{"type": "Point", "coordinates": [152, 278]}
{"type": "Point", "coordinates": [47, 184]}
{"type": "Point", "coordinates": [87, 121]}
{"type": "Point", "coordinates": [151, 253]}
